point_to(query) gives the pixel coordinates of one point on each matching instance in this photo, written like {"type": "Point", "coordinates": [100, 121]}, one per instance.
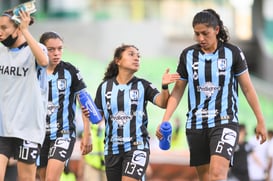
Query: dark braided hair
{"type": "Point", "coordinates": [211, 19]}
{"type": "Point", "coordinates": [112, 69]}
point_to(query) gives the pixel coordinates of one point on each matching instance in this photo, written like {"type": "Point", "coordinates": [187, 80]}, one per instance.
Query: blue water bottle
{"type": "Point", "coordinates": [87, 102]}
{"type": "Point", "coordinates": [166, 131]}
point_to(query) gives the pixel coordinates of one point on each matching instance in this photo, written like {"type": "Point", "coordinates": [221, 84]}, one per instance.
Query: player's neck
{"type": "Point", "coordinates": [50, 69]}
{"type": "Point", "coordinates": [124, 78]}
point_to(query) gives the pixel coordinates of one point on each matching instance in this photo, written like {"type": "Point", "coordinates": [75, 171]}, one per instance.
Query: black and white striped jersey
{"type": "Point", "coordinates": [212, 84]}
{"type": "Point", "coordinates": [124, 109]}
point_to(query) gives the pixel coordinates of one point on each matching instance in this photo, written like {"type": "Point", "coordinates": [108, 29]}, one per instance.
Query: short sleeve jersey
{"type": "Point", "coordinates": [64, 84]}
{"type": "Point", "coordinates": [126, 118]}
{"type": "Point", "coordinates": [22, 105]}
{"type": "Point", "coordinates": [212, 84]}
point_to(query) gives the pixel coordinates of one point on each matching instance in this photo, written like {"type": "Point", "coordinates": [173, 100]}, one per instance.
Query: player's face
{"type": "Point", "coordinates": [206, 37]}
{"type": "Point", "coordinates": [129, 60]}
{"type": "Point", "coordinates": [6, 27]}
{"type": "Point", "coordinates": [55, 50]}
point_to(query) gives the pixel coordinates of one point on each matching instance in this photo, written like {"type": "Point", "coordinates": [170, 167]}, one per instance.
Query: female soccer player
{"type": "Point", "coordinates": [212, 69]}
{"type": "Point", "coordinates": [64, 83]}
{"type": "Point", "coordinates": [122, 97]}
{"type": "Point", "coordinates": [23, 99]}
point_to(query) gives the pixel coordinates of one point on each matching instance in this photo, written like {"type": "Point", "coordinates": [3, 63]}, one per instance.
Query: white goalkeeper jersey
{"type": "Point", "coordinates": [23, 94]}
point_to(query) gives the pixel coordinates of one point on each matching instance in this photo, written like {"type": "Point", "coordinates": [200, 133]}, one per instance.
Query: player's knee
{"type": "Point", "coordinates": [26, 177]}
{"type": "Point", "coordinates": [218, 174]}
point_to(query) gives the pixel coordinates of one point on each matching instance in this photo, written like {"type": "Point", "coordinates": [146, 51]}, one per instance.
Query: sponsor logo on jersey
{"type": "Point", "coordinates": [139, 157]}
{"type": "Point", "coordinates": [208, 89]}
{"type": "Point", "coordinates": [121, 118]}
{"type": "Point", "coordinates": [13, 71]}
{"type": "Point", "coordinates": [79, 76]}
{"type": "Point", "coordinates": [29, 144]}
{"type": "Point", "coordinates": [51, 108]}
{"type": "Point", "coordinates": [205, 113]}
{"type": "Point", "coordinates": [195, 70]}
{"type": "Point", "coordinates": [62, 143]}
{"type": "Point", "coordinates": [121, 140]}
{"type": "Point", "coordinates": [229, 136]}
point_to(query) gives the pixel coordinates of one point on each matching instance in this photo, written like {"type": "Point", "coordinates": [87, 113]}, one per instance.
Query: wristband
{"type": "Point", "coordinates": [165, 87]}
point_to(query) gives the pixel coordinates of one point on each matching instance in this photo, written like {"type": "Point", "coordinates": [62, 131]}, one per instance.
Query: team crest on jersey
{"type": "Point", "coordinates": [134, 95]}
{"type": "Point", "coordinates": [61, 84]}
{"type": "Point", "coordinates": [222, 64]}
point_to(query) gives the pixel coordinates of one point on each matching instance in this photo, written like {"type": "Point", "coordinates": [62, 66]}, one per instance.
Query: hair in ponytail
{"type": "Point", "coordinates": [212, 19]}
{"type": "Point", "coordinates": [112, 69]}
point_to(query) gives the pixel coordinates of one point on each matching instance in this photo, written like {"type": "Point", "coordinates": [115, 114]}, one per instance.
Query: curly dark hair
{"type": "Point", "coordinates": [112, 69]}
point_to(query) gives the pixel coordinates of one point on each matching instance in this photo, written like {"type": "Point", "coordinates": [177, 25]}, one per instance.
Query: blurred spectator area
{"type": "Point", "coordinates": [250, 22]}
{"type": "Point", "coordinates": [158, 28]}
{"type": "Point", "coordinates": [171, 166]}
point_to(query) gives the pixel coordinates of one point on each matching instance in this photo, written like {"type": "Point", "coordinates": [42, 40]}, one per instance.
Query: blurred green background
{"type": "Point", "coordinates": [92, 29]}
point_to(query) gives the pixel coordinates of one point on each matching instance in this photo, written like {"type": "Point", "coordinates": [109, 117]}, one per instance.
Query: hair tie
{"type": "Point", "coordinates": [6, 14]}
